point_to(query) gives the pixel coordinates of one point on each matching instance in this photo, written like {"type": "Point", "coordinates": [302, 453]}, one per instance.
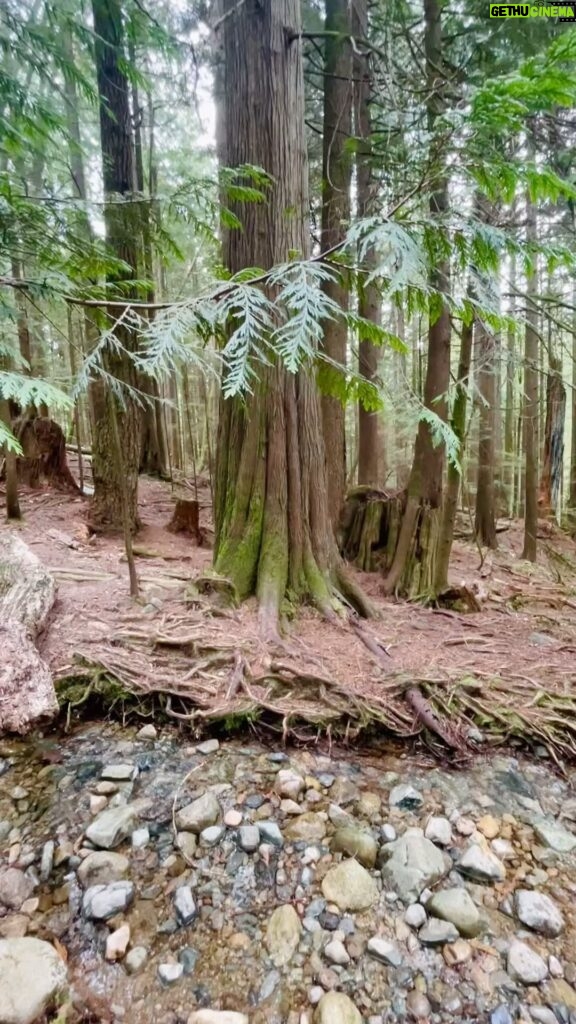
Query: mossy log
{"type": "Point", "coordinates": [27, 593]}
{"type": "Point", "coordinates": [369, 525]}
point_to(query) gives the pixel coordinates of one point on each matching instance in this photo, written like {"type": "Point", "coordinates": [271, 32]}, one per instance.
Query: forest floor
{"type": "Point", "coordinates": [509, 667]}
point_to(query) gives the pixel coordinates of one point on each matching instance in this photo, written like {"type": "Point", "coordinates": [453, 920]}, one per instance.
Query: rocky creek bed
{"type": "Point", "coordinates": [144, 879]}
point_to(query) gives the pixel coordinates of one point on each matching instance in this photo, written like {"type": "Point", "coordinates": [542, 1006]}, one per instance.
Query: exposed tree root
{"type": "Point", "coordinates": [184, 674]}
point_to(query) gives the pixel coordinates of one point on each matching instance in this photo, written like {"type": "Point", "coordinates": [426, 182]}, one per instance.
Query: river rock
{"type": "Point", "coordinates": [457, 906]}
{"type": "Point", "coordinates": [437, 933]}
{"type": "Point", "coordinates": [525, 965]}
{"type": "Point", "coordinates": [306, 828]}
{"type": "Point", "coordinates": [270, 833]}
{"type": "Point", "coordinates": [336, 953]}
{"type": "Point", "coordinates": [101, 902]}
{"type": "Point", "coordinates": [112, 826]}
{"type": "Point", "coordinates": [15, 888]}
{"type": "Point", "coordinates": [411, 863]}
{"type": "Point", "coordinates": [385, 951]}
{"type": "Point", "coordinates": [553, 835]}
{"type": "Point", "coordinates": [217, 1017]}
{"type": "Point", "coordinates": [336, 1008]}
{"type": "Point", "coordinates": [349, 886]}
{"type": "Point", "coordinates": [135, 959]}
{"type": "Point", "coordinates": [538, 912]}
{"type": "Point", "coordinates": [198, 815]}
{"type": "Point", "coordinates": [32, 977]}
{"type": "Point", "coordinates": [283, 934]}
{"type": "Point", "coordinates": [117, 943]}
{"type": "Point", "coordinates": [481, 864]}
{"type": "Point", "coordinates": [119, 773]}
{"type": "Point", "coordinates": [439, 830]}
{"type": "Point", "coordinates": [184, 905]}
{"type": "Point", "coordinates": [249, 838]}
{"type": "Point", "coordinates": [102, 867]}
{"type": "Point", "coordinates": [289, 784]}
{"type": "Point", "coordinates": [169, 974]}
{"type": "Point", "coordinates": [405, 797]}
{"type": "Point", "coordinates": [355, 843]}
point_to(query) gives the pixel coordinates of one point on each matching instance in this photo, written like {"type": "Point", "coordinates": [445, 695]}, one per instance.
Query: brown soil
{"type": "Point", "coordinates": [525, 631]}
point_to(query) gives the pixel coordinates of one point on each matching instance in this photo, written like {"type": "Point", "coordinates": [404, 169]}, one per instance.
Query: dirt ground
{"type": "Point", "coordinates": [525, 632]}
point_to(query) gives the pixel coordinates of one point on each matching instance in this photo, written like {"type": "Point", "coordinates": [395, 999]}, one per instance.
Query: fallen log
{"type": "Point", "coordinates": [27, 594]}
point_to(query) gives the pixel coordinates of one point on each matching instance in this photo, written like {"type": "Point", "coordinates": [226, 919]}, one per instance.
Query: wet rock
{"type": "Point", "coordinates": [101, 868]}
{"type": "Point", "coordinates": [112, 827]}
{"type": "Point", "coordinates": [32, 977]}
{"type": "Point", "coordinates": [283, 934]}
{"type": "Point", "coordinates": [289, 784]}
{"type": "Point", "coordinates": [437, 932]}
{"type": "Point", "coordinates": [335, 951]}
{"type": "Point", "coordinates": [117, 943]}
{"type": "Point", "coordinates": [119, 772]}
{"type": "Point", "coordinates": [336, 1008]}
{"type": "Point", "coordinates": [208, 747]}
{"type": "Point", "coordinates": [270, 833]}
{"type": "Point", "coordinates": [199, 814]}
{"type": "Point", "coordinates": [525, 965]}
{"type": "Point", "coordinates": [349, 886]}
{"type": "Point", "coordinates": [553, 835]}
{"type": "Point", "coordinates": [411, 863]}
{"type": "Point", "coordinates": [15, 888]}
{"type": "Point", "coordinates": [456, 905]}
{"type": "Point", "coordinates": [169, 974]}
{"type": "Point", "coordinates": [147, 732]}
{"type": "Point", "coordinates": [217, 1017]}
{"type": "Point", "coordinates": [439, 830]}
{"type": "Point", "coordinates": [538, 912]}
{"type": "Point", "coordinates": [355, 843]}
{"type": "Point", "coordinates": [100, 902]}
{"type": "Point", "coordinates": [385, 951]}
{"type": "Point", "coordinates": [418, 1005]}
{"type": "Point", "coordinates": [249, 838]}
{"type": "Point", "coordinates": [135, 959]}
{"type": "Point", "coordinates": [307, 828]}
{"type": "Point", "coordinates": [184, 905]}
{"type": "Point", "coordinates": [405, 798]}
{"type": "Point", "coordinates": [415, 915]}
{"type": "Point", "coordinates": [212, 835]}
{"type": "Point", "coordinates": [481, 864]}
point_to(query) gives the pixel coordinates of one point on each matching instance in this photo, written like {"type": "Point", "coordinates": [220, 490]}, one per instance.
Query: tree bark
{"type": "Point", "coordinates": [273, 531]}
{"type": "Point", "coordinates": [413, 570]}
{"type": "Point", "coordinates": [369, 298]}
{"type": "Point", "coordinates": [509, 434]}
{"type": "Point", "coordinates": [553, 461]}
{"type": "Point", "coordinates": [485, 519]}
{"type": "Point", "coordinates": [10, 467]}
{"type": "Point", "coordinates": [572, 489]}
{"type": "Point", "coordinates": [122, 235]}
{"type": "Point", "coordinates": [454, 474]}
{"type": "Point", "coordinates": [336, 181]}
{"type": "Point", "coordinates": [531, 401]}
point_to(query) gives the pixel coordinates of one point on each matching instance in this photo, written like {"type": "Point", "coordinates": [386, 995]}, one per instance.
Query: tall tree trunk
{"type": "Point", "coordinates": [454, 474]}
{"type": "Point", "coordinates": [413, 570]}
{"type": "Point", "coordinates": [485, 520]}
{"type": "Point", "coordinates": [509, 445]}
{"type": "Point", "coordinates": [553, 461]}
{"type": "Point", "coordinates": [572, 489]}
{"type": "Point", "coordinates": [369, 298]}
{"type": "Point", "coordinates": [122, 235]}
{"type": "Point", "coordinates": [10, 467]}
{"type": "Point", "coordinates": [336, 180]}
{"type": "Point", "coordinates": [273, 529]}
{"type": "Point", "coordinates": [531, 400]}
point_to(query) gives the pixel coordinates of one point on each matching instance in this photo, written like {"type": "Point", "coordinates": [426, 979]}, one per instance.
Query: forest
{"type": "Point", "coordinates": [288, 459]}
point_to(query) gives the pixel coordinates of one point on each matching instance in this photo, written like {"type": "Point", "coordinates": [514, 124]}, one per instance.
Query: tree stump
{"type": "Point", "coordinates": [186, 519]}
{"type": "Point", "coordinates": [44, 459]}
{"type": "Point", "coordinates": [369, 526]}
{"type": "Point", "coordinates": [27, 594]}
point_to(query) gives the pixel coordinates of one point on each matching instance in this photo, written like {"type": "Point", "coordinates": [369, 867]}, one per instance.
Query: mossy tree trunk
{"type": "Point", "coordinates": [413, 570]}
{"type": "Point", "coordinates": [531, 397]}
{"type": "Point", "coordinates": [116, 480]}
{"type": "Point", "coordinates": [369, 298]}
{"type": "Point", "coordinates": [336, 181]}
{"type": "Point", "coordinates": [273, 531]}
{"type": "Point", "coordinates": [551, 478]}
{"type": "Point", "coordinates": [485, 517]}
